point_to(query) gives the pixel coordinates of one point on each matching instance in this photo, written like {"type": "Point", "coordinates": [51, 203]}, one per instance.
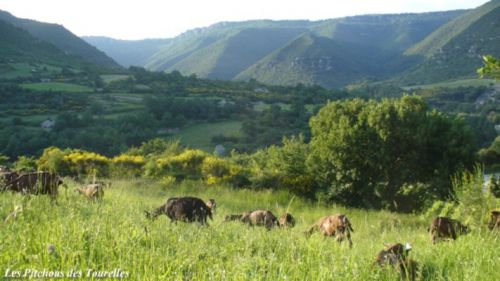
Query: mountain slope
{"type": "Point", "coordinates": [60, 37]}
{"type": "Point", "coordinates": [127, 52]}
{"type": "Point", "coordinates": [346, 50]}
{"type": "Point", "coordinates": [226, 58]}
{"type": "Point", "coordinates": [308, 59]}
{"type": "Point", "coordinates": [331, 53]}
{"type": "Point", "coordinates": [17, 45]}
{"type": "Point", "coordinates": [439, 38]}
{"type": "Point", "coordinates": [458, 55]}
{"type": "Point", "coordinates": [232, 35]}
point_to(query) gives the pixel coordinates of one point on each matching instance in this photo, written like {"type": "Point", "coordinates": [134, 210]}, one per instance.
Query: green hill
{"type": "Point", "coordinates": [455, 50]}
{"type": "Point", "coordinates": [17, 45]}
{"type": "Point", "coordinates": [308, 59]}
{"type": "Point", "coordinates": [331, 53]}
{"type": "Point", "coordinates": [339, 52]}
{"type": "Point", "coordinates": [62, 38]}
{"type": "Point", "coordinates": [226, 58]}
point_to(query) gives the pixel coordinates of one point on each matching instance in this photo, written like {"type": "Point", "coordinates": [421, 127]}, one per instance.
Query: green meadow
{"type": "Point", "coordinates": [200, 135]}
{"type": "Point", "coordinates": [87, 238]}
{"type": "Point", "coordinates": [57, 87]}
{"type": "Point", "coordinates": [454, 84]}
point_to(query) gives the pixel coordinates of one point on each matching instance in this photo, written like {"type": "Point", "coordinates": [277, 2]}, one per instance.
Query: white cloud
{"type": "Point", "coordinates": [132, 19]}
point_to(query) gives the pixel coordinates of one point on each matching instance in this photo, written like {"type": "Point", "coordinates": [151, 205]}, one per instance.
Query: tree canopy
{"type": "Point", "coordinates": [395, 153]}
{"type": "Point", "coordinates": [491, 68]}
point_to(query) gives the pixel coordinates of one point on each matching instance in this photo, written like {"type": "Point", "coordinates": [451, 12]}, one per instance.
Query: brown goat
{"type": "Point", "coordinates": [188, 209]}
{"type": "Point", "coordinates": [396, 255]}
{"type": "Point", "coordinates": [36, 183]}
{"type": "Point", "coordinates": [444, 227]}
{"type": "Point", "coordinates": [335, 225]}
{"type": "Point", "coordinates": [92, 191]}
{"type": "Point", "coordinates": [260, 218]}
{"type": "Point", "coordinates": [494, 220]}
{"type": "Point", "coordinates": [6, 176]}
{"type": "Point", "coordinates": [287, 220]}
{"type": "Point", "coordinates": [393, 254]}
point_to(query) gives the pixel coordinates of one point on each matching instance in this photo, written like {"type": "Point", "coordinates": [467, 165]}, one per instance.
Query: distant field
{"type": "Point", "coordinates": [79, 235]}
{"type": "Point", "coordinates": [15, 70]}
{"type": "Point", "coordinates": [113, 77]}
{"type": "Point", "coordinates": [454, 84]}
{"type": "Point", "coordinates": [20, 70]}
{"type": "Point", "coordinates": [57, 87]}
{"type": "Point", "coordinates": [200, 135]}
{"type": "Point", "coordinates": [261, 106]}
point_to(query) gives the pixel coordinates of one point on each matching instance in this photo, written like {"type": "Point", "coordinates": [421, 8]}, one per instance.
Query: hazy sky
{"type": "Point", "coordinates": [133, 19]}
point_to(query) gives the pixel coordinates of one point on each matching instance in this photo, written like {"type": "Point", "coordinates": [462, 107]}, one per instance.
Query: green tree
{"type": "Point", "coordinates": [3, 160]}
{"type": "Point", "coordinates": [284, 167]}
{"type": "Point", "coordinates": [491, 156]}
{"type": "Point", "coordinates": [491, 68]}
{"type": "Point", "coordinates": [394, 153]}
{"type": "Point", "coordinates": [25, 164]}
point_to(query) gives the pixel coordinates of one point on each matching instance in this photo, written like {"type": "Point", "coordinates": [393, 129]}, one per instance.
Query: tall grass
{"type": "Point", "coordinates": [78, 235]}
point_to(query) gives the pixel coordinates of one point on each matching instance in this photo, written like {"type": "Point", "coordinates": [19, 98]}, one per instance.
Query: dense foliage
{"type": "Point", "coordinates": [394, 153]}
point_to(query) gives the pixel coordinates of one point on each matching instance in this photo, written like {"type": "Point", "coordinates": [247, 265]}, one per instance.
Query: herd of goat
{"type": "Point", "coordinates": [192, 209]}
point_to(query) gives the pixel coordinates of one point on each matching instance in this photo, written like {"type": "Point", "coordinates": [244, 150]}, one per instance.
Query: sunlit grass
{"type": "Point", "coordinates": [115, 234]}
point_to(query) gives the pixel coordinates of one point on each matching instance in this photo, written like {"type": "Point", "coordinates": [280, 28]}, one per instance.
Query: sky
{"type": "Point", "coordinates": [133, 19]}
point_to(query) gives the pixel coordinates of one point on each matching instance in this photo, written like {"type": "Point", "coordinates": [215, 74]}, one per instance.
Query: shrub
{"type": "Point", "coordinates": [87, 163]}
{"type": "Point", "coordinates": [127, 165]}
{"type": "Point", "coordinates": [52, 159]}
{"type": "Point", "coordinates": [186, 165]}
{"type": "Point", "coordinates": [217, 170]}
{"type": "Point", "coordinates": [25, 164]}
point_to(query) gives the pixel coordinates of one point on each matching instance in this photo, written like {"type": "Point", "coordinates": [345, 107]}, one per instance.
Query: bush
{"type": "Point", "coordinates": [87, 163]}
{"type": "Point", "coordinates": [127, 165]}
{"type": "Point", "coordinates": [284, 167]}
{"type": "Point", "coordinates": [25, 164]}
{"type": "Point", "coordinates": [70, 162]}
{"type": "Point", "coordinates": [52, 160]}
{"type": "Point", "coordinates": [217, 170]}
{"type": "Point", "coordinates": [472, 203]}
{"type": "Point", "coordinates": [186, 165]}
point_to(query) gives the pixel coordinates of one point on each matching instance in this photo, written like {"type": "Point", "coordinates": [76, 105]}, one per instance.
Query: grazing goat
{"type": "Point", "coordinates": [494, 220]}
{"type": "Point", "coordinates": [92, 191]}
{"type": "Point", "coordinates": [396, 255]}
{"type": "Point", "coordinates": [393, 254]}
{"type": "Point", "coordinates": [337, 226]}
{"type": "Point", "coordinates": [444, 227]}
{"type": "Point", "coordinates": [6, 176]}
{"type": "Point", "coordinates": [36, 183]}
{"type": "Point", "coordinates": [188, 209]}
{"type": "Point", "coordinates": [260, 218]}
{"type": "Point", "coordinates": [287, 220]}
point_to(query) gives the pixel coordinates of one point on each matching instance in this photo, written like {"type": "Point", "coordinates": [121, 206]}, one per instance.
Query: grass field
{"type": "Point", "coordinates": [77, 235]}
{"type": "Point", "coordinates": [261, 106]}
{"type": "Point", "coordinates": [21, 69]}
{"type": "Point", "coordinates": [107, 78]}
{"type": "Point", "coordinates": [454, 84]}
{"type": "Point", "coordinates": [57, 87]}
{"type": "Point", "coordinates": [200, 135]}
